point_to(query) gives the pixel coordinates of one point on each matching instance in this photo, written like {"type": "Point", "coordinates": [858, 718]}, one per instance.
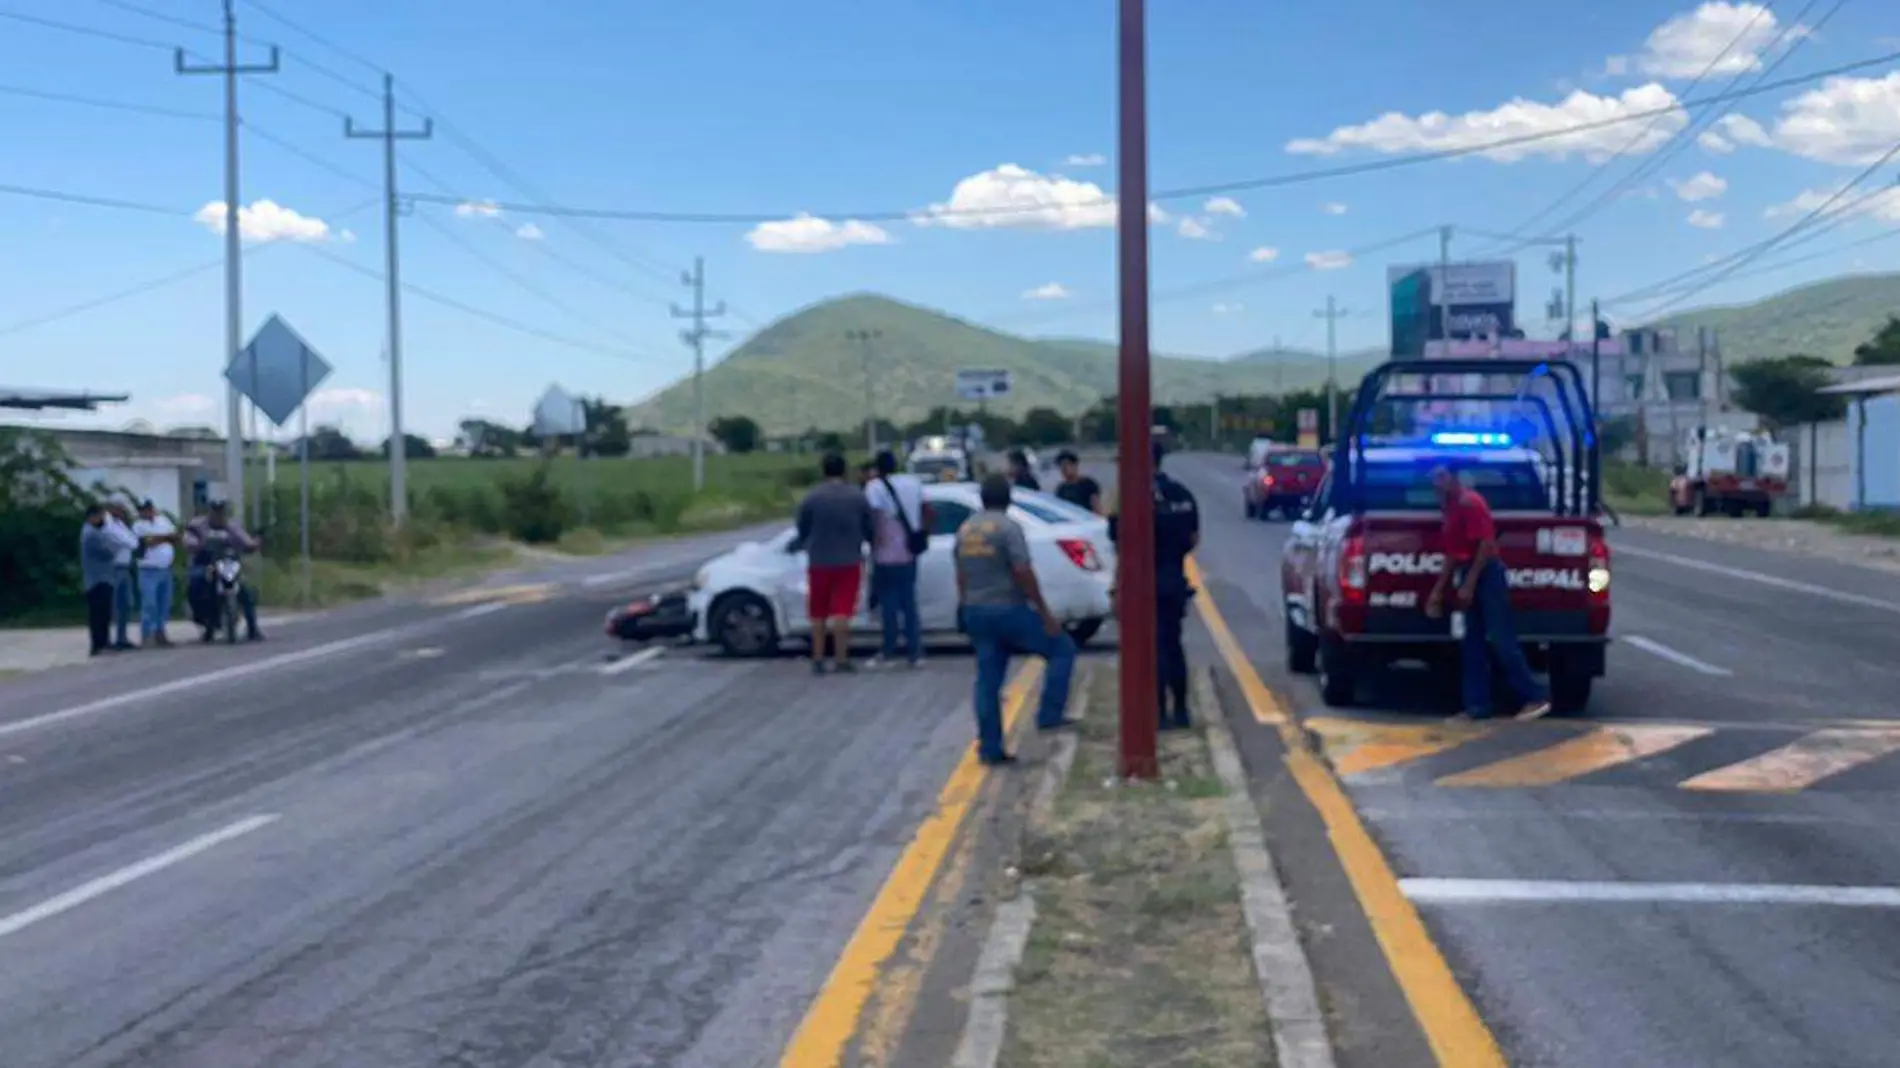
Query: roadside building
{"type": "Point", "coordinates": [1852, 463]}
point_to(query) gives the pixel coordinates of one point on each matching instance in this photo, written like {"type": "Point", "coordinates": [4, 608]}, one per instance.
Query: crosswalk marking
{"type": "Point", "coordinates": [1356, 746]}
{"type": "Point", "coordinates": [1801, 763]}
{"type": "Point", "coordinates": [1597, 750]}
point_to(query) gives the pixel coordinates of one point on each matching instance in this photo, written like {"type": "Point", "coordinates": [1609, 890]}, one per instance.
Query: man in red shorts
{"type": "Point", "coordinates": [834, 525]}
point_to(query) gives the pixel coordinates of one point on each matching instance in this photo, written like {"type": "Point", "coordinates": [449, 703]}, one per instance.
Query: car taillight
{"type": "Point", "coordinates": [1080, 553]}
{"type": "Point", "coordinates": [1599, 577]}
{"type": "Point", "coordinates": [1352, 570]}
{"type": "Point", "coordinates": [1266, 480]}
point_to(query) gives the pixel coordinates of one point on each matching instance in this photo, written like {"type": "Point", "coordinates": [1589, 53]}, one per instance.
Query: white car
{"type": "Point", "coordinates": [751, 599]}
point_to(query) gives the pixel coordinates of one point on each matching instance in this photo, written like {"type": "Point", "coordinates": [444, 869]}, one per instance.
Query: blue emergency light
{"type": "Point", "coordinates": [1471, 437]}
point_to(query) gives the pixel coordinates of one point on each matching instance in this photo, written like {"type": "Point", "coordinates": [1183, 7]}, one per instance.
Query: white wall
{"type": "Point", "coordinates": [163, 486]}
{"type": "Point", "coordinates": [1823, 462]}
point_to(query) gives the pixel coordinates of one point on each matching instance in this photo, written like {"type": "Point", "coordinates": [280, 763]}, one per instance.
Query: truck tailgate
{"type": "Point", "coordinates": [1548, 560]}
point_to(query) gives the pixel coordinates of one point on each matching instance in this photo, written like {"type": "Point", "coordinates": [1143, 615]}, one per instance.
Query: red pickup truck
{"type": "Point", "coordinates": [1359, 565]}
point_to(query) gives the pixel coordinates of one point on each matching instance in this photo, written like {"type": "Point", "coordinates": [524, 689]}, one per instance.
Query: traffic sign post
{"type": "Point", "coordinates": [1135, 588]}
{"type": "Point", "coordinates": [1309, 428]}
{"type": "Point", "coordinates": [558, 414]}
{"type": "Point", "coordinates": [277, 372]}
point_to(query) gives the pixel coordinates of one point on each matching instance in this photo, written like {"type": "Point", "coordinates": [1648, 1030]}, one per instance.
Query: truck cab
{"type": "Point", "coordinates": [1361, 561]}
{"type": "Point", "coordinates": [1729, 472]}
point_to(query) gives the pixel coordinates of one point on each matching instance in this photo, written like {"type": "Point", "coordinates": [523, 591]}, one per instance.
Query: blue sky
{"type": "Point", "coordinates": [847, 109]}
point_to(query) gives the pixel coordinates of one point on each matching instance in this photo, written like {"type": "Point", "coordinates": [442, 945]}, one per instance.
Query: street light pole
{"type": "Point", "coordinates": [864, 339]}
{"type": "Point", "coordinates": [1136, 586]}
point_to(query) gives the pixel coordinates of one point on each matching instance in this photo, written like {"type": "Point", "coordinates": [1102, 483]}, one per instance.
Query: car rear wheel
{"type": "Point", "coordinates": [742, 624]}
{"type": "Point", "coordinates": [1302, 650]}
{"type": "Point", "coordinates": [1338, 678]}
{"type": "Point", "coordinates": [1083, 631]}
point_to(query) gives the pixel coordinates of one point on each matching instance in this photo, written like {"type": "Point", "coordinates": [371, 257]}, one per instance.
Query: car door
{"type": "Point", "coordinates": [937, 569]}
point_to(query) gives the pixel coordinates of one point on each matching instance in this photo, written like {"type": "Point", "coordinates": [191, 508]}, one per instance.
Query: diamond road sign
{"type": "Point", "coordinates": [558, 415]}
{"type": "Point", "coordinates": [277, 371]}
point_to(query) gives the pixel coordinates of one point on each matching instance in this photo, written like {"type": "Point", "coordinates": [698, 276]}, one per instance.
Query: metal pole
{"type": "Point", "coordinates": [235, 457]}
{"type": "Point", "coordinates": [1136, 585]}
{"type": "Point", "coordinates": [1596, 366]}
{"type": "Point", "coordinates": [303, 476]}
{"type": "Point", "coordinates": [1331, 315]}
{"type": "Point", "coordinates": [1443, 299]}
{"type": "Point", "coordinates": [398, 441]}
{"type": "Point", "coordinates": [865, 338]}
{"type": "Point", "coordinates": [696, 337]}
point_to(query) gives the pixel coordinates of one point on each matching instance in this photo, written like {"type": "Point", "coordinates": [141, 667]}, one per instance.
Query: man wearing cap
{"type": "Point", "coordinates": [157, 537]}
{"type": "Point", "coordinates": [203, 538]}
{"type": "Point", "coordinates": [1177, 534]}
{"type": "Point", "coordinates": [1476, 582]}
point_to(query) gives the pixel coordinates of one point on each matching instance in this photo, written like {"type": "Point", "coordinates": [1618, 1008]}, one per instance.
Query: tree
{"type": "Point", "coordinates": [1042, 427]}
{"type": "Point", "coordinates": [1616, 434]}
{"type": "Point", "coordinates": [41, 508]}
{"type": "Point", "coordinates": [607, 433]}
{"type": "Point", "coordinates": [1884, 349]}
{"type": "Point", "coordinates": [1787, 391]}
{"type": "Point", "coordinates": [488, 440]}
{"type": "Point", "coordinates": [738, 433]}
{"type": "Point", "coordinates": [414, 447]}
{"type": "Point", "coordinates": [331, 443]}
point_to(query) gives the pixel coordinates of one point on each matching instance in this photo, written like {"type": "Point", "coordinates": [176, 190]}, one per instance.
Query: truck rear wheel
{"type": "Point", "coordinates": [1338, 673]}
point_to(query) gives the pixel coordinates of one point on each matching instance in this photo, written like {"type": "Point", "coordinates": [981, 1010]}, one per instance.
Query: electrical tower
{"type": "Point", "coordinates": [234, 458]}
{"type": "Point", "coordinates": [392, 208]}
{"type": "Point", "coordinates": [696, 337]}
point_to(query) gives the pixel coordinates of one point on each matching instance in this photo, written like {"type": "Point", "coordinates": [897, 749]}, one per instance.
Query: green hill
{"type": "Point", "coordinates": [804, 371]}
{"type": "Point", "coordinates": [1825, 319]}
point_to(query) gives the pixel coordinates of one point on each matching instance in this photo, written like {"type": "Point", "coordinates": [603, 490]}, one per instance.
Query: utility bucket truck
{"type": "Point", "coordinates": [1727, 471]}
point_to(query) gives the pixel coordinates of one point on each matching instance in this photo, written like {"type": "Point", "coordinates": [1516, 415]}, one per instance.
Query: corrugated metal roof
{"type": "Point", "coordinates": [36, 399]}
{"type": "Point", "coordinates": [1889, 383]}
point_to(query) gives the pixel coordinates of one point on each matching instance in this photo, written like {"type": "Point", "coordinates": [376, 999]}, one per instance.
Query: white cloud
{"type": "Point", "coordinates": [1329, 261]}
{"type": "Point", "coordinates": [1224, 206]}
{"type": "Point", "coordinates": [1703, 186]}
{"type": "Point", "coordinates": [1333, 208]}
{"type": "Point", "coordinates": [478, 209]}
{"type": "Point", "coordinates": [1264, 254]}
{"type": "Point", "coordinates": [1196, 230]}
{"type": "Point", "coordinates": [1705, 220]}
{"type": "Point", "coordinates": [1226, 308]}
{"type": "Point", "coordinates": [530, 232]}
{"type": "Point", "coordinates": [348, 237]}
{"type": "Point", "coordinates": [1744, 131]}
{"type": "Point", "coordinates": [1012, 196]}
{"type": "Point", "coordinates": [1085, 159]}
{"type": "Point", "coordinates": [1436, 131]}
{"type": "Point", "coordinates": [1047, 291]}
{"type": "Point", "coordinates": [339, 400]}
{"type": "Point", "coordinates": [266, 220]}
{"type": "Point", "coordinates": [1846, 120]}
{"type": "Point", "coordinates": [809, 233]}
{"type": "Point", "coordinates": [1883, 205]}
{"type": "Point", "coordinates": [1714, 143]}
{"type": "Point", "coordinates": [1717, 37]}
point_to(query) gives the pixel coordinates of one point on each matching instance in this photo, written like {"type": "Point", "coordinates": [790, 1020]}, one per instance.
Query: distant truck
{"type": "Point", "coordinates": [939, 459]}
{"type": "Point", "coordinates": [1729, 472]}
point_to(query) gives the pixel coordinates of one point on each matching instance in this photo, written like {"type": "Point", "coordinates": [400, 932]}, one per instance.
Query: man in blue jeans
{"type": "Point", "coordinates": [1483, 594]}
{"type": "Point", "coordinates": [1000, 607]}
{"type": "Point", "coordinates": [900, 520]}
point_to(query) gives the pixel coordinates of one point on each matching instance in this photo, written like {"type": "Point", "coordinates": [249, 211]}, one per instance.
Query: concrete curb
{"type": "Point", "coordinates": [1300, 1038]}
{"type": "Point", "coordinates": [995, 978]}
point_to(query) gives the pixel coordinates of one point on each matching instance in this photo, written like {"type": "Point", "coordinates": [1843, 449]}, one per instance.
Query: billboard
{"type": "Point", "coordinates": [1459, 300]}
{"type": "Point", "coordinates": [982, 385]}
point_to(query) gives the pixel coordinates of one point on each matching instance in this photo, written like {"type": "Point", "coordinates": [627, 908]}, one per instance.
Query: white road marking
{"type": "Point", "coordinates": [1656, 648]}
{"type": "Point", "coordinates": [238, 671]}
{"type": "Point", "coordinates": [1765, 579]}
{"type": "Point", "coordinates": [1543, 891]}
{"type": "Point", "coordinates": [612, 577]}
{"type": "Point", "coordinates": [628, 663]}
{"type": "Point", "coordinates": [105, 884]}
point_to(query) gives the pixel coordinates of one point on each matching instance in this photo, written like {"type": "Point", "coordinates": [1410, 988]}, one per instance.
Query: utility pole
{"type": "Point", "coordinates": [1596, 364]}
{"type": "Point", "coordinates": [234, 457]}
{"type": "Point", "coordinates": [696, 337]}
{"type": "Point", "coordinates": [865, 339]}
{"type": "Point", "coordinates": [389, 135]}
{"type": "Point", "coordinates": [1570, 293]}
{"type": "Point", "coordinates": [1213, 422]}
{"type": "Point", "coordinates": [1443, 298]}
{"type": "Point", "coordinates": [1332, 315]}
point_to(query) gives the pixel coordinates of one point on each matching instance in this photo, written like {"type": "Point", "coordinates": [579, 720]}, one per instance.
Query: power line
{"type": "Point", "coordinates": [1189, 192]}
{"type": "Point", "coordinates": [522, 282]}
{"type": "Point", "coordinates": [161, 16]}
{"type": "Point", "coordinates": [87, 31]}
{"type": "Point", "coordinates": [90, 201]}
{"type": "Point", "coordinates": [110, 105]}
{"type": "Point", "coordinates": [308, 156]}
{"type": "Point", "coordinates": [312, 35]}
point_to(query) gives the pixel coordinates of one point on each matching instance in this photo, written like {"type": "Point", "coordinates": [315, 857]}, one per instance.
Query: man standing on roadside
{"type": "Point", "coordinates": [901, 522]}
{"type": "Point", "coordinates": [98, 546]}
{"type": "Point", "coordinates": [834, 523]}
{"type": "Point", "coordinates": [124, 577]}
{"type": "Point", "coordinates": [1000, 607]}
{"type": "Point", "coordinates": [1077, 488]}
{"type": "Point", "coordinates": [156, 534]}
{"type": "Point", "coordinates": [1020, 474]}
{"type": "Point", "coordinates": [1480, 589]}
{"type": "Point", "coordinates": [1177, 517]}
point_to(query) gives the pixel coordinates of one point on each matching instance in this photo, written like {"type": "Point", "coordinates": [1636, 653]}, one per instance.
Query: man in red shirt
{"type": "Point", "coordinates": [1483, 594]}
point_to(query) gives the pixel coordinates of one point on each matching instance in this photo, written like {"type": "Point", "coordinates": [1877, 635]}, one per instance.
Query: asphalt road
{"type": "Point", "coordinates": [449, 831]}
{"type": "Point", "coordinates": [1705, 869]}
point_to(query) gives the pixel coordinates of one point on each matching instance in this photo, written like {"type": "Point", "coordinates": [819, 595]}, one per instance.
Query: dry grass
{"type": "Point", "coordinates": [1138, 957]}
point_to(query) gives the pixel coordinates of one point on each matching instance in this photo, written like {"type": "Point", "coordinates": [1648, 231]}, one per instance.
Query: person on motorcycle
{"type": "Point", "coordinates": [207, 537]}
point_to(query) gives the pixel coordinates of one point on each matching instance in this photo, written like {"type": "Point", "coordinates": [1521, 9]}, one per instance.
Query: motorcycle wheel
{"type": "Point", "coordinates": [230, 623]}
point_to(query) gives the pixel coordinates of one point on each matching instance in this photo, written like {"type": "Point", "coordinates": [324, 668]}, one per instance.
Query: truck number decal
{"type": "Point", "coordinates": [1396, 599]}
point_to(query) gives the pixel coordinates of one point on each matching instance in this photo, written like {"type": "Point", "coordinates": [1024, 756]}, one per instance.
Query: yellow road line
{"type": "Point", "coordinates": [832, 1020]}
{"type": "Point", "coordinates": [1266, 707]}
{"type": "Point", "coordinates": [1354, 746]}
{"type": "Point", "coordinates": [1801, 763]}
{"type": "Point", "coordinates": [1605, 747]}
{"type": "Point", "coordinates": [1450, 1022]}
{"type": "Point", "coordinates": [523, 594]}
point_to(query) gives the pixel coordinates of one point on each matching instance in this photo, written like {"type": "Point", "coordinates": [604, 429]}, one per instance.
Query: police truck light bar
{"type": "Point", "coordinates": [1471, 437]}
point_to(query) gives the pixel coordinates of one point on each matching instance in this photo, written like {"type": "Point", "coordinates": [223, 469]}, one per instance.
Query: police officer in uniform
{"type": "Point", "coordinates": [1177, 533]}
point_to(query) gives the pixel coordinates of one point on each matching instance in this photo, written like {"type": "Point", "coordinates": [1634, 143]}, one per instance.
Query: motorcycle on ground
{"type": "Point", "coordinates": [227, 587]}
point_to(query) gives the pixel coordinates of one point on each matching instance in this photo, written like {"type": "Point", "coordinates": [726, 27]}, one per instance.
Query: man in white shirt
{"type": "Point", "coordinates": [124, 583]}
{"type": "Point", "coordinates": [158, 537]}
{"type": "Point", "coordinates": [901, 530]}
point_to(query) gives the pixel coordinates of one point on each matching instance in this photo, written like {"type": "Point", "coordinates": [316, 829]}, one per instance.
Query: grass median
{"type": "Point", "coordinates": [1139, 955]}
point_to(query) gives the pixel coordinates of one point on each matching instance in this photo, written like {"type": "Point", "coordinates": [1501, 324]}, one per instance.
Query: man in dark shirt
{"type": "Point", "coordinates": [1077, 488]}
{"type": "Point", "coordinates": [1020, 475]}
{"type": "Point", "coordinates": [1483, 595]}
{"type": "Point", "coordinates": [834, 524]}
{"type": "Point", "coordinates": [1177, 534]}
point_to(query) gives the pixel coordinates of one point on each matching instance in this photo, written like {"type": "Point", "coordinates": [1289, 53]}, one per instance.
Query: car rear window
{"type": "Point", "coordinates": [1407, 487]}
{"type": "Point", "coordinates": [1294, 459]}
{"type": "Point", "coordinates": [1049, 509]}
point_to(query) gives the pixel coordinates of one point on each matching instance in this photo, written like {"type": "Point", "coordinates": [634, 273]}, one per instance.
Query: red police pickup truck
{"type": "Point", "coordinates": [1359, 565]}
